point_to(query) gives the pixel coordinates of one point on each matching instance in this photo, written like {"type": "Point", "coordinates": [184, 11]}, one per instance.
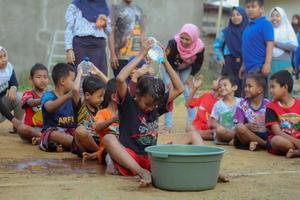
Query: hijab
{"type": "Point", "coordinates": [233, 34]}
{"type": "Point", "coordinates": [188, 54]}
{"type": "Point", "coordinates": [284, 32]}
{"type": "Point", "coordinates": [91, 9]}
{"type": "Point", "coordinates": [7, 72]}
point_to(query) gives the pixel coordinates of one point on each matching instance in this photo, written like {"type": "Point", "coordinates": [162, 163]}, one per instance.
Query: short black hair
{"type": "Point", "coordinates": [260, 2]}
{"type": "Point", "coordinates": [61, 70]}
{"type": "Point", "coordinates": [230, 79]}
{"type": "Point", "coordinates": [37, 66]}
{"type": "Point", "coordinates": [91, 84]}
{"type": "Point", "coordinates": [152, 86]}
{"type": "Point", "coordinates": [283, 78]}
{"type": "Point", "coordinates": [258, 78]}
{"type": "Point", "coordinates": [111, 88]}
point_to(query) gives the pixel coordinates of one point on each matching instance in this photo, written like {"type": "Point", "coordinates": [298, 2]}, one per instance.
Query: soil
{"type": "Point", "coordinates": [28, 173]}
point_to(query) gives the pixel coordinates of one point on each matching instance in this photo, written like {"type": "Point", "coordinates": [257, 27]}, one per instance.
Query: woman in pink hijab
{"type": "Point", "coordinates": [185, 52]}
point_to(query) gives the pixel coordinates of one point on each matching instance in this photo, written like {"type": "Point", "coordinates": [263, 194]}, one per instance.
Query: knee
{"type": "Point", "coordinates": [240, 129]}
{"type": "Point", "coordinates": [109, 139]}
{"type": "Point", "coordinates": [81, 133]}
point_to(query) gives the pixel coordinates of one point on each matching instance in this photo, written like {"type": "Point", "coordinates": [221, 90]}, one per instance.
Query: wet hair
{"type": "Point", "coordinates": [259, 79]}
{"type": "Point", "coordinates": [36, 67]}
{"type": "Point", "coordinates": [61, 70]}
{"type": "Point", "coordinates": [152, 86]}
{"type": "Point", "coordinates": [260, 2]}
{"type": "Point", "coordinates": [91, 84]}
{"type": "Point", "coordinates": [230, 79]}
{"type": "Point", "coordinates": [111, 88]}
{"type": "Point", "coordinates": [283, 78]}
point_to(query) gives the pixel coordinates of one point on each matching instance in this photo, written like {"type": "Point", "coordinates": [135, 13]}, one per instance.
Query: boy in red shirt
{"type": "Point", "coordinates": [205, 103]}
{"type": "Point", "coordinates": [283, 117]}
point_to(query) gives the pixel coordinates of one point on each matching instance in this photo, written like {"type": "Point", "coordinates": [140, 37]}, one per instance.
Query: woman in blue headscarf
{"type": "Point", "coordinates": [87, 29]}
{"type": "Point", "coordinates": [228, 46]}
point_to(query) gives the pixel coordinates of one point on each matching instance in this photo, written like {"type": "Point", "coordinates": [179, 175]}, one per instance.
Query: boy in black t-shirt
{"type": "Point", "coordinates": [138, 117]}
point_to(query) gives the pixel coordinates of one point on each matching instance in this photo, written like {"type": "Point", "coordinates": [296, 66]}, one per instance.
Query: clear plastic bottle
{"type": "Point", "coordinates": [85, 66]}
{"type": "Point", "coordinates": [156, 53]}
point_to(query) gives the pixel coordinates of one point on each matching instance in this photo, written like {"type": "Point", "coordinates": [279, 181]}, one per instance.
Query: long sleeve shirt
{"type": "Point", "coordinates": [76, 25]}
{"type": "Point", "coordinates": [220, 48]}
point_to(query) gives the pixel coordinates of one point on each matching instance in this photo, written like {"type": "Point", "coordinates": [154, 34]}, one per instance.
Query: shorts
{"type": "Point", "coordinates": [46, 144]}
{"type": "Point", "coordinates": [274, 151]}
{"type": "Point", "coordinates": [142, 160]}
{"type": "Point", "coordinates": [239, 145]}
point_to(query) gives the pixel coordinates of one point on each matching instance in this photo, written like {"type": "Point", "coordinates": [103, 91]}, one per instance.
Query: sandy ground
{"type": "Point", "coordinates": [28, 173]}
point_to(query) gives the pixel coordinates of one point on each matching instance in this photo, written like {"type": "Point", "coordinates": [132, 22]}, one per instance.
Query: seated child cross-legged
{"type": "Point", "coordinates": [31, 103]}
{"type": "Point", "coordinates": [86, 137]}
{"type": "Point", "coordinates": [138, 118]}
{"type": "Point", "coordinates": [283, 117]}
{"type": "Point", "coordinates": [223, 111]}
{"type": "Point", "coordinates": [58, 105]}
{"type": "Point", "coordinates": [205, 103]}
{"type": "Point", "coordinates": [250, 115]}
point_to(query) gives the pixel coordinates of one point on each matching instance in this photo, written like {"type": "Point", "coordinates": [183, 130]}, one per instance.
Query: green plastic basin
{"type": "Point", "coordinates": [185, 167]}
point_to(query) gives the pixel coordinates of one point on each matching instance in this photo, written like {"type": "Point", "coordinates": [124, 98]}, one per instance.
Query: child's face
{"type": "Point", "coordinates": [215, 85]}
{"type": "Point", "coordinates": [226, 88]}
{"type": "Point", "coordinates": [252, 89]}
{"type": "Point", "coordinates": [95, 99]}
{"type": "Point", "coordinates": [185, 40]}
{"type": "Point", "coordinates": [254, 10]}
{"type": "Point", "coordinates": [236, 17]}
{"type": "Point", "coordinates": [275, 18]}
{"type": "Point", "coordinates": [146, 103]}
{"type": "Point", "coordinates": [295, 20]}
{"type": "Point", "coordinates": [3, 60]}
{"type": "Point", "coordinates": [277, 91]}
{"type": "Point", "coordinates": [40, 79]}
{"type": "Point", "coordinates": [128, 1]}
{"type": "Point", "coordinates": [68, 82]}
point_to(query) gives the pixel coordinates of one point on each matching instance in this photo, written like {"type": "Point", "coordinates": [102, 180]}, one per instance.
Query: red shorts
{"type": "Point", "coordinates": [143, 161]}
{"type": "Point", "coordinates": [274, 151]}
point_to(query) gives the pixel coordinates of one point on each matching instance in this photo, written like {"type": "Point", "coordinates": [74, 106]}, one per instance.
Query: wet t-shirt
{"type": "Point", "coordinates": [139, 130]}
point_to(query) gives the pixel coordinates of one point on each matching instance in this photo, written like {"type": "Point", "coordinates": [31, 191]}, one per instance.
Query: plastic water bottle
{"type": "Point", "coordinates": [156, 53]}
{"type": "Point", "coordinates": [85, 66]}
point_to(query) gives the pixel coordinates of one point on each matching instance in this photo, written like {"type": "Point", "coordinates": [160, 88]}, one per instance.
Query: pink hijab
{"type": "Point", "coordinates": [188, 54]}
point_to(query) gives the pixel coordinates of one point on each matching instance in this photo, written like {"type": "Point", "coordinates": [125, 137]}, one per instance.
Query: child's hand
{"type": "Point", "coordinates": [115, 118]}
{"type": "Point", "coordinates": [79, 70]}
{"type": "Point", "coordinates": [71, 56]}
{"type": "Point", "coordinates": [146, 45]}
{"type": "Point", "coordinates": [241, 72]}
{"type": "Point", "coordinates": [12, 93]}
{"type": "Point", "coordinates": [266, 69]}
{"type": "Point", "coordinates": [94, 70]}
{"type": "Point", "coordinates": [198, 82]}
{"type": "Point", "coordinates": [221, 63]}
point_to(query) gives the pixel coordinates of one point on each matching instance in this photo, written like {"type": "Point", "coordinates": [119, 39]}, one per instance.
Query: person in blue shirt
{"type": "Point", "coordinates": [58, 107]}
{"type": "Point", "coordinates": [228, 46]}
{"type": "Point", "coordinates": [258, 41]}
{"type": "Point", "coordinates": [87, 28]}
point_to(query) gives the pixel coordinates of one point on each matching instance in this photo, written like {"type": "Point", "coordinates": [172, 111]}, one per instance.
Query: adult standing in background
{"type": "Point", "coordinates": [296, 55]}
{"type": "Point", "coordinates": [87, 28]}
{"type": "Point", "coordinates": [127, 32]}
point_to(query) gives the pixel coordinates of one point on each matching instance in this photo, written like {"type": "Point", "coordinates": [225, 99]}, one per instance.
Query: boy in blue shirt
{"type": "Point", "coordinates": [258, 41]}
{"type": "Point", "coordinates": [58, 109]}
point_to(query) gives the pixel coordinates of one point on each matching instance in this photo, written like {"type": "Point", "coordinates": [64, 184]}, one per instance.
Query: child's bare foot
{"type": "Point", "coordinates": [110, 167]}
{"type": "Point", "coordinates": [223, 178]}
{"type": "Point", "coordinates": [59, 148]}
{"type": "Point", "coordinates": [231, 143]}
{"type": "Point", "coordinates": [253, 146]}
{"type": "Point", "coordinates": [146, 178]}
{"type": "Point", "coordinates": [89, 156]}
{"type": "Point", "coordinates": [35, 140]}
{"type": "Point", "coordinates": [292, 153]}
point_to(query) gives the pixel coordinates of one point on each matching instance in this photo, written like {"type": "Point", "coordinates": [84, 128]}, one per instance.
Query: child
{"type": "Point", "coordinates": [86, 137]}
{"type": "Point", "coordinates": [250, 115]}
{"type": "Point", "coordinates": [285, 42]}
{"type": "Point", "coordinates": [223, 112]}
{"type": "Point", "coordinates": [58, 109]}
{"type": "Point", "coordinates": [283, 117]}
{"type": "Point", "coordinates": [228, 46]}
{"type": "Point", "coordinates": [257, 43]}
{"type": "Point", "coordinates": [106, 121]}
{"type": "Point", "coordinates": [31, 103]}
{"type": "Point", "coordinates": [205, 104]}
{"type": "Point", "coordinates": [9, 96]}
{"type": "Point", "coordinates": [139, 120]}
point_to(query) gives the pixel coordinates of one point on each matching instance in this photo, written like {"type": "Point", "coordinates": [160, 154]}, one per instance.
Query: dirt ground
{"type": "Point", "coordinates": [28, 173]}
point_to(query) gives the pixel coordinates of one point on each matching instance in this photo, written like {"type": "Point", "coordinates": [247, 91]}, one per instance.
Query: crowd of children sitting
{"type": "Point", "coordinates": [114, 120]}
